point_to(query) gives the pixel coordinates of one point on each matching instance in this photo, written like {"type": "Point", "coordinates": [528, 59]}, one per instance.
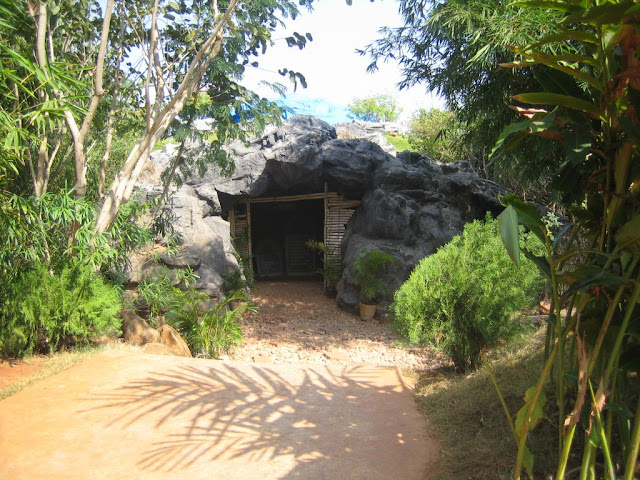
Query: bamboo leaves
{"type": "Point", "coordinates": [593, 90]}
{"type": "Point", "coordinates": [628, 237]}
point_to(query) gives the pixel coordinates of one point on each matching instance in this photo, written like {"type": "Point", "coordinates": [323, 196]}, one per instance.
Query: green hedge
{"type": "Point", "coordinates": [45, 310]}
{"type": "Point", "coordinates": [467, 295]}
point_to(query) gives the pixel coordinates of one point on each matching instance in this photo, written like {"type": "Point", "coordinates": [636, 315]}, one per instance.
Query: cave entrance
{"type": "Point", "coordinates": [279, 235]}
{"type": "Point", "coordinates": [271, 233]}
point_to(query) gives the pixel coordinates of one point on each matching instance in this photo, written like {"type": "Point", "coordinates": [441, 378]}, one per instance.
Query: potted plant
{"type": "Point", "coordinates": [367, 268]}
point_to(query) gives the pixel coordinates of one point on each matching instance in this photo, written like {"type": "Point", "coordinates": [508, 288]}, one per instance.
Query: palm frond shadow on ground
{"type": "Point", "coordinates": [307, 419]}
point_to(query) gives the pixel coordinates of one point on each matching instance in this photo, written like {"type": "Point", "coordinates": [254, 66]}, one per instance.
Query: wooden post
{"type": "Point", "coordinates": [326, 209]}
{"type": "Point", "coordinates": [250, 246]}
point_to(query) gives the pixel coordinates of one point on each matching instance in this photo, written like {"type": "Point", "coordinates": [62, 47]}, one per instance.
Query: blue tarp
{"type": "Point", "coordinates": [297, 104]}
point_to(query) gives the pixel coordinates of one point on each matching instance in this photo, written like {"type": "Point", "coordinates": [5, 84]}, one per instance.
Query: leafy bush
{"type": "Point", "coordinates": [45, 310]}
{"type": "Point", "coordinates": [332, 267]}
{"type": "Point", "coordinates": [212, 332]}
{"type": "Point", "coordinates": [158, 293]}
{"type": "Point", "coordinates": [463, 298]}
{"type": "Point", "coordinates": [378, 108]}
{"type": "Point", "coordinates": [55, 227]}
{"type": "Point", "coordinates": [437, 134]}
{"type": "Point", "coordinates": [233, 282]}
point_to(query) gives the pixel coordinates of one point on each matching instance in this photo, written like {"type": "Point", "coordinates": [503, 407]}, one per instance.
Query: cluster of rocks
{"type": "Point", "coordinates": [410, 205]}
{"type": "Point", "coordinates": [164, 340]}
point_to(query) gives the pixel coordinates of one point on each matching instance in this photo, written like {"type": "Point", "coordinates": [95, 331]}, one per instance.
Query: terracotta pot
{"type": "Point", "coordinates": [367, 311]}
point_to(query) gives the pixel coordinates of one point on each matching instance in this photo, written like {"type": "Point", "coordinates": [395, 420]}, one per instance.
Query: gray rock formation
{"type": "Point", "coordinates": [374, 132]}
{"type": "Point", "coordinates": [415, 207]}
{"type": "Point", "coordinates": [410, 205]}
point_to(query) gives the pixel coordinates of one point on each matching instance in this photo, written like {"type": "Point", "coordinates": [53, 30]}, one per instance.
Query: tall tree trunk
{"type": "Point", "coordinates": [125, 179]}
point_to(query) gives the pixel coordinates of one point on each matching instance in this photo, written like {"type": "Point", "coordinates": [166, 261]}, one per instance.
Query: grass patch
{"type": "Point", "coordinates": [48, 365]}
{"type": "Point", "coordinates": [400, 142]}
{"type": "Point", "coordinates": [161, 143]}
{"type": "Point", "coordinates": [467, 418]}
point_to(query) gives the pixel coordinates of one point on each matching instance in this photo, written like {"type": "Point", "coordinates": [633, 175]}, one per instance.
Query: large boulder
{"type": "Point", "coordinates": [348, 165]}
{"type": "Point", "coordinates": [410, 205]}
{"type": "Point", "coordinates": [284, 159]}
{"type": "Point", "coordinates": [415, 207]}
{"type": "Point", "coordinates": [157, 349]}
{"type": "Point", "coordinates": [136, 330]}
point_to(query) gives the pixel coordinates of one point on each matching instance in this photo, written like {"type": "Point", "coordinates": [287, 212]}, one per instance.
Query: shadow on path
{"type": "Point", "coordinates": [288, 423]}
{"type": "Point", "coordinates": [136, 416]}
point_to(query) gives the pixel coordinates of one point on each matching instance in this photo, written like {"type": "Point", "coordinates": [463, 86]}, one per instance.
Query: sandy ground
{"type": "Point", "coordinates": [313, 393]}
{"type": "Point", "coordinates": [135, 415]}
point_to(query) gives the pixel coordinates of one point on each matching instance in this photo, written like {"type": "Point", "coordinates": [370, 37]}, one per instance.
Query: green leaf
{"type": "Point", "coordinates": [555, 81]}
{"type": "Point", "coordinates": [628, 237]}
{"type": "Point", "coordinates": [565, 36]}
{"type": "Point", "coordinates": [631, 128]}
{"type": "Point", "coordinates": [540, 262]}
{"type": "Point", "coordinates": [508, 131]}
{"type": "Point", "coordinates": [557, 62]}
{"type": "Point", "coordinates": [577, 143]}
{"type": "Point", "coordinates": [608, 13]}
{"type": "Point", "coordinates": [508, 223]}
{"type": "Point", "coordinates": [544, 98]}
{"type": "Point", "coordinates": [527, 461]}
{"type": "Point", "coordinates": [527, 214]}
{"type": "Point", "coordinates": [536, 415]}
{"type": "Point", "coordinates": [585, 277]}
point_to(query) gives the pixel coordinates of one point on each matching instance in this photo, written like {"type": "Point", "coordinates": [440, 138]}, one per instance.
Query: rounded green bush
{"type": "Point", "coordinates": [464, 297]}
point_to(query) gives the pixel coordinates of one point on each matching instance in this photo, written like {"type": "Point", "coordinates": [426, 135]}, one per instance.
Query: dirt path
{"type": "Point", "coordinates": [133, 415]}
{"type": "Point", "coordinates": [297, 323]}
{"type": "Point", "coordinates": [306, 397]}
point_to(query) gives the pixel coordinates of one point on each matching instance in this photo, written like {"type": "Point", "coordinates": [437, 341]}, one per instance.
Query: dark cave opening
{"type": "Point", "coordinates": [279, 234]}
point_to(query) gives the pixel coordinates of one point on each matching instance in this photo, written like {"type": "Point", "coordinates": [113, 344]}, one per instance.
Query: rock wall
{"type": "Point", "coordinates": [410, 204]}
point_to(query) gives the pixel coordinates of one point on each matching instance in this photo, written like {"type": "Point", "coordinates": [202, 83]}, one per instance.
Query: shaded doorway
{"type": "Point", "coordinates": [270, 233]}
{"type": "Point", "coordinates": [279, 234]}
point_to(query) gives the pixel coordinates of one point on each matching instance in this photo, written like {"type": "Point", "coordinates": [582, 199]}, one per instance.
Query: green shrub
{"type": "Point", "coordinates": [367, 268]}
{"type": "Point", "coordinates": [212, 332]}
{"type": "Point", "coordinates": [464, 297]}
{"type": "Point", "coordinates": [332, 267]}
{"type": "Point", "coordinates": [158, 292]}
{"type": "Point", "coordinates": [45, 310]}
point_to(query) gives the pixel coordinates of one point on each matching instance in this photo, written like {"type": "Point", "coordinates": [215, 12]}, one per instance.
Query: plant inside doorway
{"type": "Point", "coordinates": [332, 267]}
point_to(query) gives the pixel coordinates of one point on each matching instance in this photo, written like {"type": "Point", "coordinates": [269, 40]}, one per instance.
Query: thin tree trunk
{"type": "Point", "coordinates": [112, 111]}
{"type": "Point", "coordinates": [79, 135]}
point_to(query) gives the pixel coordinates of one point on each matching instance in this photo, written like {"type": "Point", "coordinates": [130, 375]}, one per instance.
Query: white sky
{"type": "Point", "coordinates": [330, 64]}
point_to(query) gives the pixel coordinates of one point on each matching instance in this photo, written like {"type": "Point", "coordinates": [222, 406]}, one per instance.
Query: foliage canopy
{"type": "Point", "coordinates": [454, 47]}
{"type": "Point", "coordinates": [378, 108]}
{"type": "Point", "coordinates": [588, 104]}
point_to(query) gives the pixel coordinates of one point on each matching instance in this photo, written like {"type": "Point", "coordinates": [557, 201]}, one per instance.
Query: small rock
{"type": "Point", "coordinates": [172, 339]}
{"type": "Point", "coordinates": [224, 358]}
{"type": "Point", "coordinates": [137, 331]}
{"type": "Point", "coordinates": [261, 359]}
